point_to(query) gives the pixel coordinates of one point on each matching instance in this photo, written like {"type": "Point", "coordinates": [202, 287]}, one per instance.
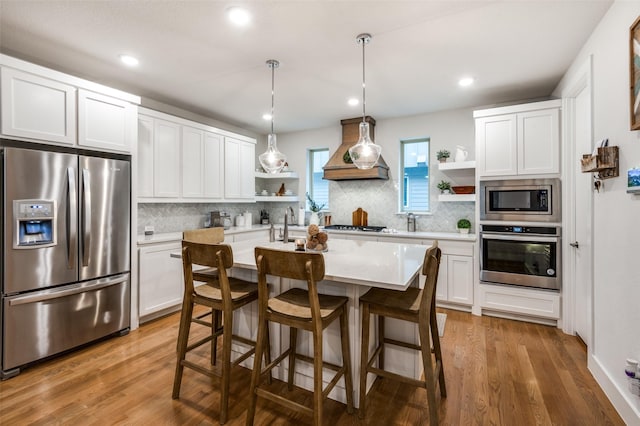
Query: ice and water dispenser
{"type": "Point", "coordinates": [35, 223]}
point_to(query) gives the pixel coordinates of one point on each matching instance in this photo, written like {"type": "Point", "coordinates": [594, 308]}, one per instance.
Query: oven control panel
{"type": "Point", "coordinates": [517, 229]}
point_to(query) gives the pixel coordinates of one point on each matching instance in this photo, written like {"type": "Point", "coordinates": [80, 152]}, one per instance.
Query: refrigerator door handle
{"type": "Point", "coordinates": [86, 216]}
{"type": "Point", "coordinates": [82, 288]}
{"type": "Point", "coordinates": [72, 218]}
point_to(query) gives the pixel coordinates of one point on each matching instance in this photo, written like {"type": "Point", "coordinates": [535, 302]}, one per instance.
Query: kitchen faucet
{"type": "Point", "coordinates": [293, 215]}
{"type": "Point", "coordinates": [285, 235]}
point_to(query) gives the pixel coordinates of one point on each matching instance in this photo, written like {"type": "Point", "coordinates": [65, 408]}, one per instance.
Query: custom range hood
{"type": "Point", "coordinates": [337, 168]}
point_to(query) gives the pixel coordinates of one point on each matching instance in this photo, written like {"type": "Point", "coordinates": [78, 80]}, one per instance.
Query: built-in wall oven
{"type": "Point", "coordinates": [521, 255]}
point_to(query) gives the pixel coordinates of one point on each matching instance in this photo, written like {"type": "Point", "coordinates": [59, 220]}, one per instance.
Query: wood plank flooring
{"type": "Point", "coordinates": [498, 372]}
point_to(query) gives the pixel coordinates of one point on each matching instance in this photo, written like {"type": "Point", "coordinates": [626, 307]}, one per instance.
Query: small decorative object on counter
{"type": "Point", "coordinates": [301, 215]}
{"type": "Point", "coordinates": [444, 187]}
{"type": "Point", "coordinates": [281, 191]}
{"type": "Point", "coordinates": [411, 222]}
{"type": "Point", "coordinates": [315, 210]}
{"type": "Point", "coordinates": [316, 240]}
{"type": "Point", "coordinates": [464, 225]}
{"type": "Point", "coordinates": [442, 155]}
{"type": "Point", "coordinates": [272, 234]}
{"type": "Point", "coordinates": [300, 244]}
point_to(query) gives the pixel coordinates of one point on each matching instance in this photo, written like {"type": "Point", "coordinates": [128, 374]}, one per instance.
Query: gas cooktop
{"type": "Point", "coordinates": [355, 228]}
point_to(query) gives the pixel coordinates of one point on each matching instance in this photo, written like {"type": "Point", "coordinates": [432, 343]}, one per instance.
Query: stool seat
{"type": "Point", "coordinates": [238, 289]}
{"type": "Point", "coordinates": [295, 303]}
{"type": "Point", "coordinates": [404, 302]}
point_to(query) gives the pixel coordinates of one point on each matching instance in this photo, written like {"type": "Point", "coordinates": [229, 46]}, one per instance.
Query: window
{"type": "Point", "coordinates": [414, 163]}
{"type": "Point", "coordinates": [317, 187]}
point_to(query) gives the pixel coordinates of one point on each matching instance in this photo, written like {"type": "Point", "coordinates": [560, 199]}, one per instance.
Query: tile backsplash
{"type": "Point", "coordinates": [378, 197]}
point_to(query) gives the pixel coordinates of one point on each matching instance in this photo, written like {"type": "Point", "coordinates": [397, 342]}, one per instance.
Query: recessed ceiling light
{"type": "Point", "coordinates": [266, 116]}
{"type": "Point", "coordinates": [129, 60]}
{"type": "Point", "coordinates": [466, 81]}
{"type": "Point", "coordinates": [239, 16]}
{"type": "Point", "coordinates": [353, 101]}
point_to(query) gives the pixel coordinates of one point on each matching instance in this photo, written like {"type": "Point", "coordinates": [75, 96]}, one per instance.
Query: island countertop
{"type": "Point", "coordinates": [369, 263]}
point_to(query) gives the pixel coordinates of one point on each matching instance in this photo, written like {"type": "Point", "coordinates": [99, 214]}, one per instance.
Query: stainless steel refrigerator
{"type": "Point", "coordinates": [66, 252]}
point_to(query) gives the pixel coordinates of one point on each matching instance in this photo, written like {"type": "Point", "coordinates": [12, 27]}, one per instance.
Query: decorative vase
{"type": "Point", "coordinates": [314, 219]}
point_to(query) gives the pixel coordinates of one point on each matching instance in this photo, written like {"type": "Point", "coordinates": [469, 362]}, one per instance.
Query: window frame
{"type": "Point", "coordinates": [402, 192]}
{"type": "Point", "coordinates": [311, 152]}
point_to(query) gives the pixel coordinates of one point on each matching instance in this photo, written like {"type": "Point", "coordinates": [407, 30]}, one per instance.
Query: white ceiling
{"type": "Point", "coordinates": [193, 58]}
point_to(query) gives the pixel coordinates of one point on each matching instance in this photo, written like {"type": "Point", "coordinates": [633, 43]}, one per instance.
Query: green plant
{"type": "Point", "coordinates": [444, 185]}
{"type": "Point", "coordinates": [313, 206]}
{"type": "Point", "coordinates": [443, 154]}
{"type": "Point", "coordinates": [464, 224]}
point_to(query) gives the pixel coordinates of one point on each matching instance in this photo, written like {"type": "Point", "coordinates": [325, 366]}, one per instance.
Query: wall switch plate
{"type": "Point", "coordinates": [148, 230]}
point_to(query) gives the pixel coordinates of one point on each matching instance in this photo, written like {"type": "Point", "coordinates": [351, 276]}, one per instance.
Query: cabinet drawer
{"type": "Point", "coordinates": [517, 300]}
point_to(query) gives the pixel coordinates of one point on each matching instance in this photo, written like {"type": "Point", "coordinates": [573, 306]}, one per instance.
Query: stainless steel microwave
{"type": "Point", "coordinates": [534, 200]}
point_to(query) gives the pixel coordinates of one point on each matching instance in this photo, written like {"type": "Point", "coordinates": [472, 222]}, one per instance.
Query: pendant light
{"type": "Point", "coordinates": [272, 160]}
{"type": "Point", "coordinates": [365, 153]}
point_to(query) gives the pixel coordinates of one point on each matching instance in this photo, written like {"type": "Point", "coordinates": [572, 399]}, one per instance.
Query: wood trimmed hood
{"type": "Point", "coordinates": [337, 169]}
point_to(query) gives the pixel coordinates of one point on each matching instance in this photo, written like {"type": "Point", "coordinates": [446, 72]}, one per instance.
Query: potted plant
{"type": "Point", "coordinates": [444, 187]}
{"type": "Point", "coordinates": [315, 210]}
{"type": "Point", "coordinates": [464, 225]}
{"type": "Point", "coordinates": [442, 155]}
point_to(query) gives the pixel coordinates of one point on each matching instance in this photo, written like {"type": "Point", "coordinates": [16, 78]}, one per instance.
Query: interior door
{"type": "Point", "coordinates": [582, 220]}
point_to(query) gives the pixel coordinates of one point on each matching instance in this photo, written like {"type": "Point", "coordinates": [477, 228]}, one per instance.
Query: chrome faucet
{"type": "Point", "coordinates": [285, 235]}
{"type": "Point", "coordinates": [293, 215]}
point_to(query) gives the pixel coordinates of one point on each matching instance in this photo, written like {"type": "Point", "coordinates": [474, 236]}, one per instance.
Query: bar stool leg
{"type": "Point", "coordinates": [183, 340]}
{"type": "Point", "coordinates": [428, 373]}
{"type": "Point", "coordinates": [215, 326]}
{"type": "Point", "coordinates": [346, 358]}
{"type": "Point", "coordinates": [317, 377]}
{"type": "Point", "coordinates": [293, 341]}
{"type": "Point", "coordinates": [381, 337]}
{"type": "Point", "coordinates": [435, 337]}
{"type": "Point", "coordinates": [255, 373]}
{"type": "Point", "coordinates": [226, 363]}
{"type": "Point", "coordinates": [364, 359]}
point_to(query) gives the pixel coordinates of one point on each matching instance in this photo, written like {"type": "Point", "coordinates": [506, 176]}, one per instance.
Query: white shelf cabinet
{"type": "Point", "coordinates": [161, 281]}
{"type": "Point", "coordinates": [105, 122]}
{"type": "Point", "coordinates": [272, 181]}
{"type": "Point", "coordinates": [519, 140]}
{"type": "Point", "coordinates": [46, 106]}
{"type": "Point", "coordinates": [464, 173]}
{"type": "Point", "coordinates": [34, 107]}
{"type": "Point", "coordinates": [457, 197]}
{"type": "Point", "coordinates": [239, 162]}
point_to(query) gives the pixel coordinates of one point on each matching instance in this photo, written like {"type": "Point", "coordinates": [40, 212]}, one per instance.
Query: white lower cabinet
{"type": "Point", "coordinates": [455, 280]}
{"type": "Point", "coordinates": [160, 279]}
{"type": "Point", "coordinates": [514, 301]}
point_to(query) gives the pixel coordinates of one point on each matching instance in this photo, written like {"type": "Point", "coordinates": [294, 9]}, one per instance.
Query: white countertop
{"type": "Point", "coordinates": [369, 263]}
{"type": "Point", "coordinates": [454, 236]}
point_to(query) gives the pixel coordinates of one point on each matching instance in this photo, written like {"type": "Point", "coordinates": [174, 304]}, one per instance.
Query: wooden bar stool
{"type": "Point", "coordinates": [413, 305]}
{"type": "Point", "coordinates": [303, 309]}
{"type": "Point", "coordinates": [225, 295]}
{"type": "Point", "coordinates": [205, 274]}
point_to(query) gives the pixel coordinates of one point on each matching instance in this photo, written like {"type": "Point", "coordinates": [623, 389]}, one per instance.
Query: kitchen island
{"type": "Point", "coordinates": [352, 267]}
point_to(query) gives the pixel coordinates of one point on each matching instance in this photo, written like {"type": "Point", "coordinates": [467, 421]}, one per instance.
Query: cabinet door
{"type": "Point", "coordinates": [37, 108]}
{"type": "Point", "coordinates": [442, 286]}
{"type": "Point", "coordinates": [145, 156]}
{"type": "Point", "coordinates": [166, 159]}
{"type": "Point", "coordinates": [539, 142]}
{"type": "Point", "coordinates": [213, 166]}
{"type": "Point", "coordinates": [161, 280]}
{"type": "Point", "coordinates": [247, 165]}
{"type": "Point", "coordinates": [192, 162]}
{"type": "Point", "coordinates": [496, 142]}
{"type": "Point", "coordinates": [231, 164]}
{"type": "Point", "coordinates": [460, 279]}
{"type": "Point", "coordinates": [105, 122]}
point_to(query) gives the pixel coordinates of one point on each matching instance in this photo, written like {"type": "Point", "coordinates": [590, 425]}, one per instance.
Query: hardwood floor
{"type": "Point", "coordinates": [498, 372]}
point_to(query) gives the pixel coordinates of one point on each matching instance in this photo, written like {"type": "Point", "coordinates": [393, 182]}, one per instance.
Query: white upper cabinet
{"type": "Point", "coordinates": [202, 170]}
{"type": "Point", "coordinates": [184, 161]}
{"type": "Point", "coordinates": [105, 122]}
{"type": "Point", "coordinates": [239, 162]}
{"type": "Point", "coordinates": [47, 106]}
{"type": "Point", "coordinates": [519, 140]}
{"type": "Point", "coordinates": [37, 108]}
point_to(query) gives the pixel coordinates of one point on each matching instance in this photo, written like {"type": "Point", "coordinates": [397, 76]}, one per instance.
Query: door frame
{"type": "Point", "coordinates": [581, 81]}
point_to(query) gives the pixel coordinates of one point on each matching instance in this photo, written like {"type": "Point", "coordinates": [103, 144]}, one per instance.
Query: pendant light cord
{"type": "Point", "coordinates": [273, 91]}
{"type": "Point", "coordinates": [364, 102]}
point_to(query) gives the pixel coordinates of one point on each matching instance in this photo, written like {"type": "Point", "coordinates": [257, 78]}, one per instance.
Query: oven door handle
{"type": "Point", "coordinates": [510, 237]}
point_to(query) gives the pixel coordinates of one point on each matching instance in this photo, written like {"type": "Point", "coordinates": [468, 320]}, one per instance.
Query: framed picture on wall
{"type": "Point", "coordinates": [634, 68]}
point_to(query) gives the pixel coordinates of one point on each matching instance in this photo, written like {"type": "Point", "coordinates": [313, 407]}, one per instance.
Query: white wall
{"type": "Point", "coordinates": [380, 198]}
{"type": "Point", "coordinates": [616, 313]}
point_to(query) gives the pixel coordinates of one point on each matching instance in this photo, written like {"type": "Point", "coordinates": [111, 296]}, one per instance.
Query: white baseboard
{"type": "Point", "coordinates": [627, 405]}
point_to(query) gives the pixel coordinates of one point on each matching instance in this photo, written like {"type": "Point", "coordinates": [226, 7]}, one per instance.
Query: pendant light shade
{"type": "Point", "coordinates": [272, 160]}
{"type": "Point", "coordinates": [365, 152]}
